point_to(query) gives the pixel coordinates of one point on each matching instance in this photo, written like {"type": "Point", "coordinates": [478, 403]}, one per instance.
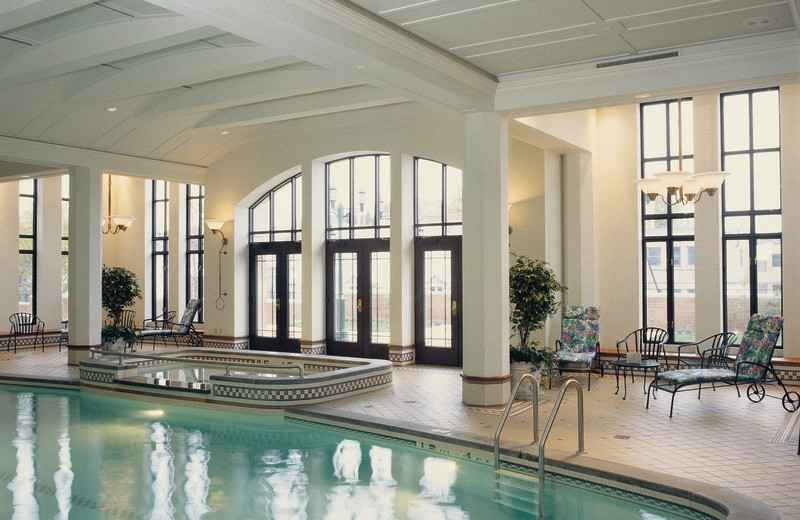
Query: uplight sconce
{"type": "Point", "coordinates": [115, 223]}
{"type": "Point", "coordinates": [215, 225]}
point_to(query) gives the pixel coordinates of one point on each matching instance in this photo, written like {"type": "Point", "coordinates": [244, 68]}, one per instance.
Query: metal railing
{"type": "Point", "coordinates": [547, 428]}
{"type": "Point", "coordinates": [226, 364]}
{"type": "Point", "coordinates": [503, 418]}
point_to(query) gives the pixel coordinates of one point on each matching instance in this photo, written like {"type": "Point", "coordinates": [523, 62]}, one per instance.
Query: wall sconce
{"type": "Point", "coordinates": [115, 223]}
{"type": "Point", "coordinates": [215, 225]}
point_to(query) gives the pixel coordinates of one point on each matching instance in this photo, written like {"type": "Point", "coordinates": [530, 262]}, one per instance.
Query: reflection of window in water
{"type": "Point", "coordinates": [63, 477]}
{"type": "Point", "coordinates": [285, 484]}
{"type": "Point", "coordinates": [163, 470]}
{"type": "Point", "coordinates": [197, 481]}
{"type": "Point", "coordinates": [22, 485]}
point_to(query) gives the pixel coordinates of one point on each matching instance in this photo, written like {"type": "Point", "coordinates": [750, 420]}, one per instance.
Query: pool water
{"type": "Point", "coordinates": [71, 455]}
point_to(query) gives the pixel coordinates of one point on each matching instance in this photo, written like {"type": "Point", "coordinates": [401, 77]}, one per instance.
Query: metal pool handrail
{"type": "Point", "coordinates": [502, 422]}
{"type": "Point", "coordinates": [228, 364]}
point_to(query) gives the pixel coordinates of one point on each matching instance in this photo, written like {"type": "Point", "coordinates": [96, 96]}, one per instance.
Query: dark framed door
{"type": "Point", "coordinates": [437, 300]}
{"type": "Point", "coordinates": [275, 296]}
{"type": "Point", "coordinates": [357, 289]}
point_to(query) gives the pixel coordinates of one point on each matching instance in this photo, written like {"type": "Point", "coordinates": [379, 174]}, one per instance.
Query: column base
{"type": "Point", "coordinates": [485, 391]}
{"type": "Point", "coordinates": [77, 352]}
{"type": "Point", "coordinates": [401, 355]}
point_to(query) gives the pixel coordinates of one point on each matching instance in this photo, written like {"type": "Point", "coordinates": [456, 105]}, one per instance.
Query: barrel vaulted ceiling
{"type": "Point", "coordinates": [183, 82]}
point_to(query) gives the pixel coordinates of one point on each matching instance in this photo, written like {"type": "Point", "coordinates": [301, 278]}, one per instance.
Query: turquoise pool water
{"type": "Point", "coordinates": [71, 455]}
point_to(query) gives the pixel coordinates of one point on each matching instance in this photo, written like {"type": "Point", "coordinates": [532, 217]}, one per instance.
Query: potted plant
{"type": "Point", "coordinates": [534, 294]}
{"type": "Point", "coordinates": [120, 289]}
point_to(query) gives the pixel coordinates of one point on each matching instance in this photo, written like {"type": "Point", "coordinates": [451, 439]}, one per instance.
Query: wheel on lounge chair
{"type": "Point", "coordinates": [756, 392]}
{"type": "Point", "coordinates": [791, 401]}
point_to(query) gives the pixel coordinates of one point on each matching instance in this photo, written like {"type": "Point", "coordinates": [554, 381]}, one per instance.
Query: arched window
{"type": "Point", "coordinates": [276, 268]}
{"type": "Point", "coordinates": [278, 215]}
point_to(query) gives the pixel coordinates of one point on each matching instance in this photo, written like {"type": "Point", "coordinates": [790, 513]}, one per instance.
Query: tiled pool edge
{"type": "Point", "coordinates": [714, 501]}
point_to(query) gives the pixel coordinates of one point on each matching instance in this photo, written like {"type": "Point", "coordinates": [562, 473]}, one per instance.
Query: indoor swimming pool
{"type": "Point", "coordinates": [67, 454]}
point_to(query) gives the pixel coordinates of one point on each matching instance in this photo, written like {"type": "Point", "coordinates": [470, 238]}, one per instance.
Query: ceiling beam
{"type": "Point", "coordinates": [23, 12]}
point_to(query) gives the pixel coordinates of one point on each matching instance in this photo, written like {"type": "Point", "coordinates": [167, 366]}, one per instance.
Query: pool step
{"type": "Point", "coordinates": [517, 491]}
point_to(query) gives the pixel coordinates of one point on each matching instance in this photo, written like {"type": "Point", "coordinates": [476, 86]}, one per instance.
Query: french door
{"type": "Point", "coordinates": [437, 309]}
{"type": "Point", "coordinates": [275, 296]}
{"type": "Point", "coordinates": [357, 289]}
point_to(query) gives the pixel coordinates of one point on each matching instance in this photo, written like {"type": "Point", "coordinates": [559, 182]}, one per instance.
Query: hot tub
{"type": "Point", "coordinates": [219, 378]}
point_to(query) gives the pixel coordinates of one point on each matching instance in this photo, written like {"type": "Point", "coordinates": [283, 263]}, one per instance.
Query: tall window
{"type": "Point", "coordinates": [194, 245]}
{"type": "Point", "coordinates": [438, 198]}
{"type": "Point", "coordinates": [160, 248]}
{"type": "Point", "coordinates": [437, 262]}
{"type": "Point", "coordinates": [276, 268]}
{"type": "Point", "coordinates": [27, 245]}
{"type": "Point", "coordinates": [65, 247]}
{"type": "Point", "coordinates": [668, 231]}
{"type": "Point", "coordinates": [357, 256]}
{"type": "Point", "coordinates": [751, 205]}
{"type": "Point", "coordinates": [358, 197]}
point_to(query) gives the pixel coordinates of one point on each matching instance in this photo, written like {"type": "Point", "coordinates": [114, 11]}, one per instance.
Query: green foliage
{"type": "Point", "coordinates": [120, 290]}
{"type": "Point", "coordinates": [534, 293]}
{"type": "Point", "coordinates": [110, 333]}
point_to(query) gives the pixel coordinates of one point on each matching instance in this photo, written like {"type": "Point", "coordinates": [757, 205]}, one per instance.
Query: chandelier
{"type": "Point", "coordinates": [681, 187]}
{"type": "Point", "coordinates": [115, 223]}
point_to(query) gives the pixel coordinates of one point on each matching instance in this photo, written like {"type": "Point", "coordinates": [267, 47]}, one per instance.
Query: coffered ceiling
{"type": "Point", "coordinates": [184, 82]}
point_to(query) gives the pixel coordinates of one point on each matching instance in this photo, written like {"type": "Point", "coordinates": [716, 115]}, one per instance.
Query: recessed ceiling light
{"type": "Point", "coordinates": [225, 132]}
{"type": "Point", "coordinates": [111, 109]}
{"type": "Point", "coordinates": [643, 96]}
{"type": "Point", "coordinates": [362, 67]}
{"type": "Point", "coordinates": [759, 22]}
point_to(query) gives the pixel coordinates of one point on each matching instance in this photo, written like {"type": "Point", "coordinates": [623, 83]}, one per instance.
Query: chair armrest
{"type": "Point", "coordinates": [716, 356]}
{"type": "Point", "coordinates": [621, 342]}
{"type": "Point", "coordinates": [559, 345]}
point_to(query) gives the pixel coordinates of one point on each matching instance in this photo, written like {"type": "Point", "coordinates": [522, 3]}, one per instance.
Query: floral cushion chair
{"type": "Point", "coordinates": [752, 363]}
{"type": "Point", "coordinates": [579, 345]}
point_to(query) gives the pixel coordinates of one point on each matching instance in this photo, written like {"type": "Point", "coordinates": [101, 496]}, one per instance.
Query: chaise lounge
{"type": "Point", "coordinates": [752, 365]}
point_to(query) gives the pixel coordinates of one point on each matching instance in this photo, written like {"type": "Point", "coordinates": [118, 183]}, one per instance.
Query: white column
{"type": "Point", "coordinates": [401, 344]}
{"type": "Point", "coordinates": [707, 222]}
{"type": "Point", "coordinates": [579, 229]}
{"type": "Point", "coordinates": [790, 209]}
{"type": "Point", "coordinates": [85, 261]}
{"type": "Point", "coordinates": [315, 204]}
{"type": "Point", "coordinates": [486, 378]}
{"type": "Point", "coordinates": [9, 259]}
{"type": "Point", "coordinates": [48, 261]}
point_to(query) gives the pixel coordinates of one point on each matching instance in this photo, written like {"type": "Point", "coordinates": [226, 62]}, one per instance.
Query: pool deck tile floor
{"type": "Point", "coordinates": [721, 439]}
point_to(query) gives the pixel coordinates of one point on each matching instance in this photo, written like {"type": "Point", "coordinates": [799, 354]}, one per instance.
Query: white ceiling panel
{"type": "Point", "coordinates": [179, 72]}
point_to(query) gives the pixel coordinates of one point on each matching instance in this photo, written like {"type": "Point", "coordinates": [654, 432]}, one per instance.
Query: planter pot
{"type": "Point", "coordinates": [517, 370]}
{"type": "Point", "coordinates": [118, 345]}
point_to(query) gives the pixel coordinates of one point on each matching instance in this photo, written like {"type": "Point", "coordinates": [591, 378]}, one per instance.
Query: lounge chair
{"type": "Point", "coordinates": [579, 345]}
{"type": "Point", "coordinates": [752, 365]}
{"type": "Point", "coordinates": [182, 328]}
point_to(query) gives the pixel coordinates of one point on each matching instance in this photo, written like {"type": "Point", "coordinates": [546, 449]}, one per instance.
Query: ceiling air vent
{"type": "Point", "coordinates": [637, 59]}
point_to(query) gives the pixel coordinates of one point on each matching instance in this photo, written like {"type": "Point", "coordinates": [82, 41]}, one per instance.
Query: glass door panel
{"type": "Point", "coordinates": [438, 300]}
{"type": "Point", "coordinates": [265, 301]}
{"type": "Point", "coordinates": [346, 304]}
{"type": "Point", "coordinates": [358, 298]}
{"type": "Point", "coordinates": [379, 297]}
{"type": "Point", "coordinates": [275, 296]}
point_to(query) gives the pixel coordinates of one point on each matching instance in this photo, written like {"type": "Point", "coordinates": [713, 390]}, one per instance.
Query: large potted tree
{"type": "Point", "coordinates": [535, 295]}
{"type": "Point", "coordinates": [120, 290]}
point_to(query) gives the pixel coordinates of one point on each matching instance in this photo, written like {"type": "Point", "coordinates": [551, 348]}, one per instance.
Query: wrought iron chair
{"type": "Point", "coordinates": [63, 337]}
{"type": "Point", "coordinates": [184, 327]}
{"type": "Point", "coordinates": [694, 357]}
{"type": "Point", "coordinates": [157, 328]}
{"type": "Point", "coordinates": [578, 348]}
{"type": "Point", "coordinates": [25, 324]}
{"type": "Point", "coordinates": [648, 341]}
{"type": "Point", "coordinates": [752, 365]}
{"type": "Point", "coordinates": [127, 319]}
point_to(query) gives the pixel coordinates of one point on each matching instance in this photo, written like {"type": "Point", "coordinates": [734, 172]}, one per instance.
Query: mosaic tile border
{"type": "Point", "coordinates": [300, 394]}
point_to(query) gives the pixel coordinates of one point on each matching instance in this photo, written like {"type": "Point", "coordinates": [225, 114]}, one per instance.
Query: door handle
{"type": "Point", "coordinates": [359, 305]}
{"type": "Point", "coordinates": [278, 304]}
{"type": "Point", "coordinates": [453, 308]}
